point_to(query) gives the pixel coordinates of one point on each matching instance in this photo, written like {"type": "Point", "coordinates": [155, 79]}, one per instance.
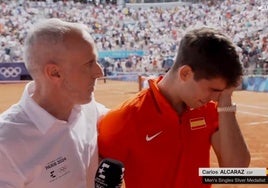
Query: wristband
{"type": "Point", "coordinates": [227, 108]}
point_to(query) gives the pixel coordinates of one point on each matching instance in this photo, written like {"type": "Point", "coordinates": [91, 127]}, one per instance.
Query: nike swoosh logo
{"type": "Point", "coordinates": [149, 138]}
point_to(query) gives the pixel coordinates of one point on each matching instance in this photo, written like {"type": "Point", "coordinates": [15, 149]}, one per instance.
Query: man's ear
{"type": "Point", "coordinates": [185, 72]}
{"type": "Point", "coordinates": [52, 71]}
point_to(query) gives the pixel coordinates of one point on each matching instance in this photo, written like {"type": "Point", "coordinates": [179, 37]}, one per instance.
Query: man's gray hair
{"type": "Point", "coordinates": [45, 39]}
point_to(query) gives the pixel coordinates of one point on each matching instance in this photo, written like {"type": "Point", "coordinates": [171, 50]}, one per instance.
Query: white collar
{"type": "Point", "coordinates": [39, 116]}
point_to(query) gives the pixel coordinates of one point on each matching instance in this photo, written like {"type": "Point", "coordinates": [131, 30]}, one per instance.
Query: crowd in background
{"type": "Point", "coordinates": [154, 29]}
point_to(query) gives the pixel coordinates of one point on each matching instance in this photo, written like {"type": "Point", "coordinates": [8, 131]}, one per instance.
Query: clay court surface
{"type": "Point", "coordinates": [252, 116]}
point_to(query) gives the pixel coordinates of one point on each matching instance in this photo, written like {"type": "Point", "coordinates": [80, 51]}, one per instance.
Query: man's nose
{"type": "Point", "coordinates": [215, 96]}
{"type": "Point", "coordinates": [98, 71]}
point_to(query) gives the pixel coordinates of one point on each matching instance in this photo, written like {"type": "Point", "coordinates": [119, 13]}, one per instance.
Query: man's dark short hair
{"type": "Point", "coordinates": [210, 54]}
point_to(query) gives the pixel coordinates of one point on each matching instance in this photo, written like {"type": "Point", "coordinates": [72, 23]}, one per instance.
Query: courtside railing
{"type": "Point", "coordinates": [253, 79]}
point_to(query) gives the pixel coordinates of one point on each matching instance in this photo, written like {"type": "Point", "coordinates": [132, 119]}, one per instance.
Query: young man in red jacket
{"type": "Point", "coordinates": [164, 134]}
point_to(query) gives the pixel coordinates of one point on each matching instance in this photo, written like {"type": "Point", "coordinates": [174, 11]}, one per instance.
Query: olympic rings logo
{"type": "Point", "coordinates": [12, 72]}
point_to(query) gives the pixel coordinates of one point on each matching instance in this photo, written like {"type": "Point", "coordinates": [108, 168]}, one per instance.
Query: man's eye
{"type": "Point", "coordinates": [90, 63]}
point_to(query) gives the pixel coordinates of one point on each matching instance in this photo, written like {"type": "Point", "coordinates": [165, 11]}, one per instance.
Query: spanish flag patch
{"type": "Point", "coordinates": [198, 123]}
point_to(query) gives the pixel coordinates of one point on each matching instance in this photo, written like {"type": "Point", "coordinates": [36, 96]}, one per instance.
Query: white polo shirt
{"type": "Point", "coordinates": [39, 151]}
